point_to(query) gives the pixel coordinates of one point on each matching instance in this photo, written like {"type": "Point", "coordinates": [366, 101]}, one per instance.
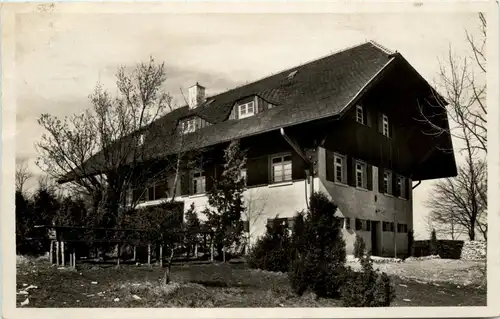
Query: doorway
{"type": "Point", "coordinates": [375, 238]}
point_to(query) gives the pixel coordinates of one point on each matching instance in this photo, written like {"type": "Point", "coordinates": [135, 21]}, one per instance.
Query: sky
{"type": "Point", "coordinates": [61, 57]}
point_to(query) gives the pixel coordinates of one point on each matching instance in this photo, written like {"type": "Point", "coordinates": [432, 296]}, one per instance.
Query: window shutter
{"type": "Point", "coordinates": [185, 183]}
{"type": "Point", "coordinates": [257, 171]}
{"type": "Point", "coordinates": [358, 223]}
{"type": "Point", "coordinates": [394, 182]}
{"type": "Point", "coordinates": [351, 167]}
{"type": "Point", "coordinates": [369, 177]}
{"type": "Point", "coordinates": [379, 122]}
{"type": "Point", "coordinates": [366, 118]}
{"type": "Point", "coordinates": [298, 167]}
{"type": "Point", "coordinates": [407, 188]}
{"type": "Point", "coordinates": [381, 179]}
{"type": "Point", "coordinates": [330, 168]}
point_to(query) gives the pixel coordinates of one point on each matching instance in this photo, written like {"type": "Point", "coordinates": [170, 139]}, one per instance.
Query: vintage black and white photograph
{"type": "Point", "coordinates": [248, 159]}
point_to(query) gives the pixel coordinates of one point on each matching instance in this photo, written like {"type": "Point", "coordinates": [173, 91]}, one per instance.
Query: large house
{"type": "Point", "coordinates": [348, 124]}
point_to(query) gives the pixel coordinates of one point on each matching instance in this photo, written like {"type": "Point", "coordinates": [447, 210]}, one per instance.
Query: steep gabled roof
{"type": "Point", "coordinates": [318, 89]}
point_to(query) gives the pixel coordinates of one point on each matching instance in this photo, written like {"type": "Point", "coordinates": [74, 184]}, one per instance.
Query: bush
{"type": "Point", "coordinates": [367, 288]}
{"type": "Point", "coordinates": [359, 247]}
{"type": "Point", "coordinates": [319, 249]}
{"type": "Point", "coordinates": [272, 252]}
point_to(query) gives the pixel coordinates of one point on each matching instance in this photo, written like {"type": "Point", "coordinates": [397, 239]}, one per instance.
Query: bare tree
{"type": "Point", "coordinates": [255, 211]}
{"type": "Point", "coordinates": [463, 83]}
{"type": "Point", "coordinates": [118, 144]}
{"type": "Point", "coordinates": [23, 174]}
{"type": "Point", "coordinates": [457, 203]}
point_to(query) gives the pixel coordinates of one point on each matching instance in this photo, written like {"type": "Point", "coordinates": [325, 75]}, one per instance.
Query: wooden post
{"type": "Point", "coordinates": [212, 250]}
{"type": "Point", "coordinates": [57, 252]}
{"type": "Point", "coordinates": [149, 254]}
{"type": "Point", "coordinates": [135, 252]}
{"type": "Point", "coordinates": [161, 256]}
{"type": "Point", "coordinates": [196, 250]}
{"type": "Point", "coordinates": [51, 252]}
{"type": "Point", "coordinates": [74, 257]}
{"type": "Point", "coordinates": [118, 254]}
{"type": "Point", "coordinates": [71, 259]}
{"type": "Point", "coordinates": [63, 255]}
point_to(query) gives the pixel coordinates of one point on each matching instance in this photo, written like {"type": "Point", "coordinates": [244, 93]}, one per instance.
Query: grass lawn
{"type": "Point", "coordinates": [202, 285]}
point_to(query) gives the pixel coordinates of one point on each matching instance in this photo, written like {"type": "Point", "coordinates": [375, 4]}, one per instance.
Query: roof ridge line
{"type": "Point", "coordinates": [293, 67]}
{"type": "Point", "coordinates": [381, 47]}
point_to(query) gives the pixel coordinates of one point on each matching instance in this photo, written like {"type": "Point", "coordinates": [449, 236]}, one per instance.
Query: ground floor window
{"type": "Point", "coordinates": [198, 182]}
{"type": "Point", "coordinates": [347, 223]}
{"type": "Point", "coordinates": [388, 226]}
{"type": "Point", "coordinates": [363, 224]}
{"type": "Point", "coordinates": [402, 228]}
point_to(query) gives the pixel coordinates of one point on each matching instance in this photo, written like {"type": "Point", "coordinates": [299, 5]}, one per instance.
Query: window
{"type": "Point", "coordinates": [368, 225]}
{"type": "Point", "coordinates": [402, 228]}
{"type": "Point", "coordinates": [246, 110]}
{"type": "Point", "coordinates": [385, 125]}
{"type": "Point", "coordinates": [360, 174]}
{"type": "Point", "coordinates": [339, 168]}
{"type": "Point", "coordinates": [386, 226]}
{"type": "Point", "coordinates": [387, 182]}
{"type": "Point", "coordinates": [243, 174]}
{"type": "Point", "coordinates": [189, 126]}
{"type": "Point", "coordinates": [347, 223]}
{"type": "Point", "coordinates": [400, 187]}
{"type": "Point", "coordinates": [360, 118]}
{"type": "Point", "coordinates": [282, 168]}
{"type": "Point", "coordinates": [129, 197]}
{"type": "Point", "coordinates": [359, 224]}
{"type": "Point", "coordinates": [198, 182]}
{"type": "Point", "coordinates": [363, 224]}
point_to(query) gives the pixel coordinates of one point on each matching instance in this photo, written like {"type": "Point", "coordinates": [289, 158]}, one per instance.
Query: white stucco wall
{"type": "Point", "coordinates": [286, 199]}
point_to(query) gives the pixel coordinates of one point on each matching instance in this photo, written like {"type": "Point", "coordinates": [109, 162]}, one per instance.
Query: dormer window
{"type": "Point", "coordinates": [189, 126]}
{"type": "Point", "coordinates": [246, 110]}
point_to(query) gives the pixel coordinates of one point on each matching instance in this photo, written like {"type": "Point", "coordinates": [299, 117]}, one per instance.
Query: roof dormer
{"type": "Point", "coordinates": [191, 124]}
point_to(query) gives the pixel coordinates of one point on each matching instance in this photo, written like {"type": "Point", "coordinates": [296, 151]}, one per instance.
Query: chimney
{"type": "Point", "coordinates": [196, 95]}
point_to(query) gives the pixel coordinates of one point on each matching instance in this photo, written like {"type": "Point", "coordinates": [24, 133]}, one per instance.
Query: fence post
{"type": "Point", "coordinates": [161, 256]}
{"type": "Point", "coordinates": [51, 252]}
{"type": "Point", "coordinates": [74, 257]}
{"type": "Point", "coordinates": [149, 254]}
{"type": "Point", "coordinates": [135, 253]}
{"type": "Point", "coordinates": [118, 254]}
{"type": "Point", "coordinates": [196, 250]}
{"type": "Point", "coordinates": [57, 252]}
{"type": "Point", "coordinates": [212, 250]}
{"type": "Point", "coordinates": [62, 254]}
